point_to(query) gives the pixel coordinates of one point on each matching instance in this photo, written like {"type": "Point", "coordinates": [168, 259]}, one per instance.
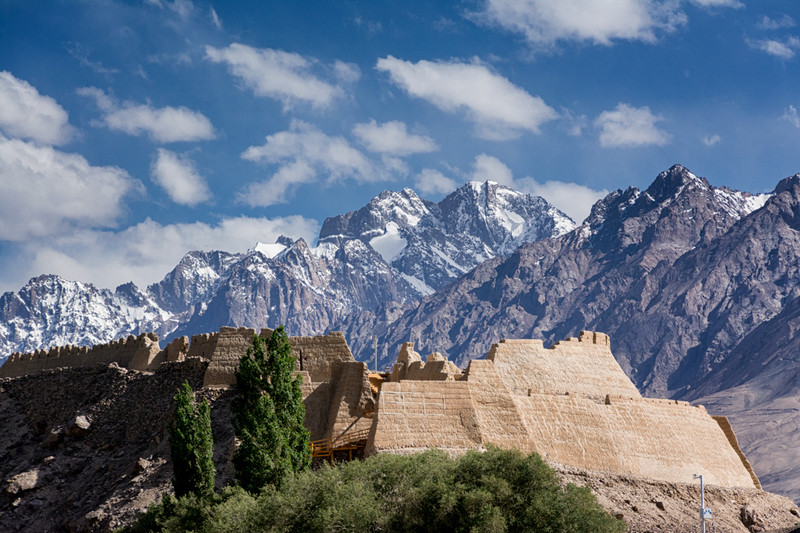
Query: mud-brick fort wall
{"type": "Point", "coordinates": [572, 404]}
{"type": "Point", "coordinates": [138, 353]}
{"type": "Point", "coordinates": [336, 388]}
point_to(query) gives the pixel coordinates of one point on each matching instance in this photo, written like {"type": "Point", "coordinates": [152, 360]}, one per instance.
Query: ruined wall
{"type": "Point", "coordinates": [226, 348]}
{"type": "Point", "coordinates": [410, 366]}
{"type": "Point", "coordinates": [137, 353]}
{"type": "Point", "coordinates": [313, 355]}
{"type": "Point", "coordinates": [556, 402]}
{"type": "Point", "coordinates": [316, 355]}
{"type": "Point", "coordinates": [351, 402]}
{"type": "Point", "coordinates": [416, 415]}
{"type": "Point", "coordinates": [583, 365]}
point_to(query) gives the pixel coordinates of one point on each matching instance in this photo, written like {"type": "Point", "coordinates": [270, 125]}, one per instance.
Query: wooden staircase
{"type": "Point", "coordinates": [346, 442]}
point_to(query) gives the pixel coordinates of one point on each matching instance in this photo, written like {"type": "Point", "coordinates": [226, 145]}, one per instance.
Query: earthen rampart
{"type": "Point", "coordinates": [138, 353]}
{"type": "Point", "coordinates": [571, 403]}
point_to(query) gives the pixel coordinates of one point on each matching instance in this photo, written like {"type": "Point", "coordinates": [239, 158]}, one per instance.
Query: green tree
{"type": "Point", "coordinates": [268, 415]}
{"type": "Point", "coordinates": [191, 445]}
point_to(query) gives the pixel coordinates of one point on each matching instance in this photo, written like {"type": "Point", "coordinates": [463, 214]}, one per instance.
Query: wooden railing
{"type": "Point", "coordinates": [349, 442]}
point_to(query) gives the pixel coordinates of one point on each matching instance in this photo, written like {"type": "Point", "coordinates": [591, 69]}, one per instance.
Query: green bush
{"type": "Point", "coordinates": [191, 445]}
{"type": "Point", "coordinates": [494, 491]}
{"type": "Point", "coordinates": [268, 415]}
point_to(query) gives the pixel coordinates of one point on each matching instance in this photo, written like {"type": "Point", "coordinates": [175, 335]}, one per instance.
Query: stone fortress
{"type": "Point", "coordinates": [571, 403]}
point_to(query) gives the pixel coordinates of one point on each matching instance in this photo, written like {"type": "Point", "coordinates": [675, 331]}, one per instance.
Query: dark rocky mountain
{"type": "Point", "coordinates": [628, 270]}
{"type": "Point", "coordinates": [698, 287]}
{"type": "Point", "coordinates": [391, 252]}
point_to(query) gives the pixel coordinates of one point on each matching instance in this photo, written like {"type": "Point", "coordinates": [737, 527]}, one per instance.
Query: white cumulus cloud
{"type": "Point", "coordinates": [178, 176]}
{"type": "Point", "coordinates": [711, 140]}
{"type": "Point", "coordinates": [627, 126]}
{"type": "Point", "coordinates": [284, 76]}
{"type": "Point", "coordinates": [392, 138]}
{"type": "Point", "coordinates": [145, 252]}
{"type": "Point", "coordinates": [431, 181]}
{"type": "Point", "coordinates": [302, 154]}
{"type": "Point", "coordinates": [572, 199]}
{"type": "Point", "coordinates": [29, 115]}
{"type": "Point", "coordinates": [487, 167]}
{"type": "Point", "coordinates": [500, 109]}
{"type": "Point", "coordinates": [162, 125]}
{"type": "Point", "coordinates": [46, 192]}
{"type": "Point", "coordinates": [767, 23]}
{"type": "Point", "coordinates": [545, 22]}
{"type": "Point", "coordinates": [785, 49]}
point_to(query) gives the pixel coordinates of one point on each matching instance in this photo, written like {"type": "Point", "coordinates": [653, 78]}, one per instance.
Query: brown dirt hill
{"type": "Point", "coordinates": [86, 449]}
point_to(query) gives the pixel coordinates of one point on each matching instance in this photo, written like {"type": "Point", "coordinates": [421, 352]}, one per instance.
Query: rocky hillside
{"type": "Point", "coordinates": [86, 449]}
{"type": "Point", "coordinates": [391, 252]}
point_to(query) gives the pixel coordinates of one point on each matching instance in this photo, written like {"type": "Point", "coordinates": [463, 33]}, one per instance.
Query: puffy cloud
{"type": "Point", "coordinates": [178, 176]}
{"type": "Point", "coordinates": [711, 140]}
{"type": "Point", "coordinates": [280, 186]}
{"type": "Point", "coordinates": [303, 153]}
{"type": "Point", "coordinates": [487, 167]}
{"type": "Point", "coordinates": [144, 253]}
{"type": "Point", "coordinates": [285, 76]}
{"type": "Point", "coordinates": [46, 192]}
{"type": "Point", "coordinates": [544, 22]}
{"type": "Point", "coordinates": [627, 126]}
{"type": "Point", "coordinates": [346, 72]}
{"type": "Point", "coordinates": [573, 199]}
{"type": "Point", "coordinates": [785, 49]}
{"type": "Point", "coordinates": [27, 114]}
{"type": "Point", "coordinates": [430, 181]}
{"type": "Point", "coordinates": [163, 125]}
{"type": "Point", "coordinates": [767, 23]}
{"type": "Point", "coordinates": [500, 109]}
{"type": "Point", "coordinates": [392, 138]}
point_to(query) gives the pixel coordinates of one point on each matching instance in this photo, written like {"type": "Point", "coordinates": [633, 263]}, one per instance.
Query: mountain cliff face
{"type": "Point", "coordinates": [390, 253]}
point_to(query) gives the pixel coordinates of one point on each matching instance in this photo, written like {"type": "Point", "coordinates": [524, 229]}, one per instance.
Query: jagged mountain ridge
{"type": "Point", "coordinates": [602, 276]}
{"type": "Point", "coordinates": [391, 252]}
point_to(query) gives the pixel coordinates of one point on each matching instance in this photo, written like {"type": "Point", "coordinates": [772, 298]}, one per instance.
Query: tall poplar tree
{"type": "Point", "coordinates": [268, 415]}
{"type": "Point", "coordinates": [191, 445]}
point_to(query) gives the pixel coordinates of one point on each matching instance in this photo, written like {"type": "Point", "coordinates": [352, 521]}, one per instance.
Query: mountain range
{"type": "Point", "coordinates": [698, 287]}
{"type": "Point", "coordinates": [390, 253]}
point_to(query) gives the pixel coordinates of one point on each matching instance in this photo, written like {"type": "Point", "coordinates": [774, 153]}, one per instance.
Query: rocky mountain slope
{"type": "Point", "coordinates": [391, 252]}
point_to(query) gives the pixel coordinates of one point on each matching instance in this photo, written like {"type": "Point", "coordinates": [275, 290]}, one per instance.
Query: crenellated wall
{"type": "Point", "coordinates": [139, 353]}
{"type": "Point", "coordinates": [571, 403]}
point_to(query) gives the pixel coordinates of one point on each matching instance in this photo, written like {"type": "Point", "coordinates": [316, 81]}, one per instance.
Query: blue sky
{"type": "Point", "coordinates": [132, 132]}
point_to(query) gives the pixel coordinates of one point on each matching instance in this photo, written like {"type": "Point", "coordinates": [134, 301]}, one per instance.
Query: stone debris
{"type": "Point", "coordinates": [79, 427]}
{"type": "Point", "coordinates": [24, 482]}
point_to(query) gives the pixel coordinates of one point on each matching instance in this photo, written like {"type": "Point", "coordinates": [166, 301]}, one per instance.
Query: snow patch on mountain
{"type": "Point", "coordinates": [390, 244]}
